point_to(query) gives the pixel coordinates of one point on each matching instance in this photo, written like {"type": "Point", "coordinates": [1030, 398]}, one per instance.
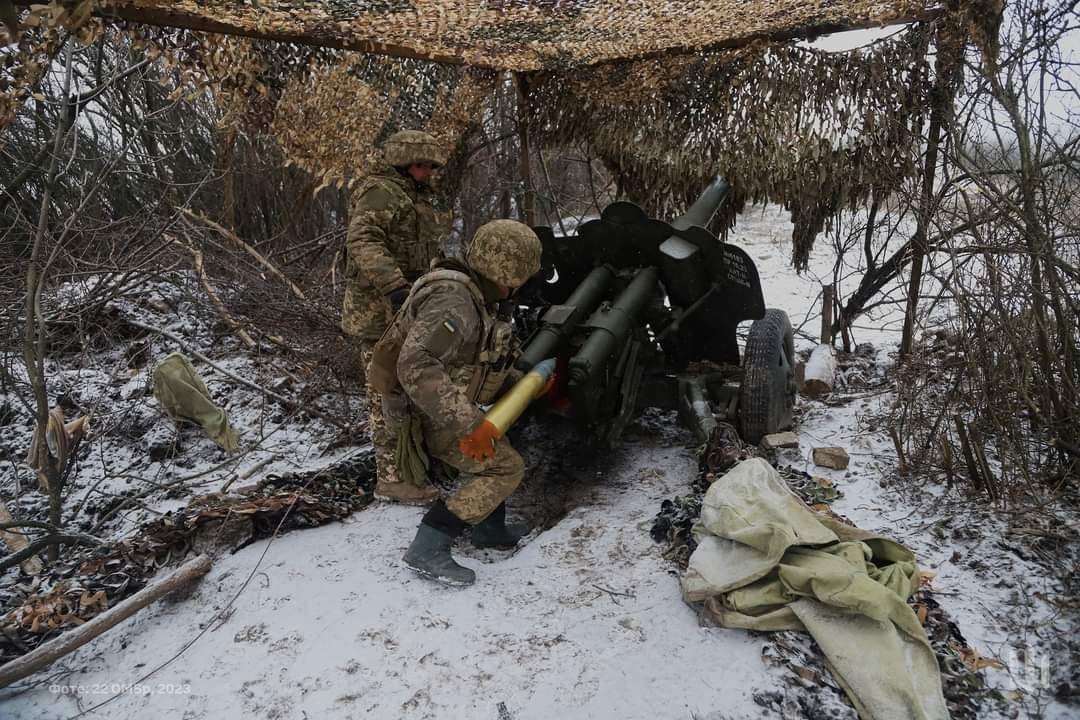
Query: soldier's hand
{"type": "Point", "coordinates": [397, 298]}
{"type": "Point", "coordinates": [480, 443]}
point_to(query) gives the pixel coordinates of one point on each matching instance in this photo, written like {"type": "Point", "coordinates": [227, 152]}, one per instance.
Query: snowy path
{"type": "Point", "coordinates": [331, 626]}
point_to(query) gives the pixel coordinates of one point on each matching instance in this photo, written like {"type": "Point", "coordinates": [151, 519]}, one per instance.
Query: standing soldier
{"type": "Point", "coordinates": [394, 234]}
{"type": "Point", "coordinates": [445, 354]}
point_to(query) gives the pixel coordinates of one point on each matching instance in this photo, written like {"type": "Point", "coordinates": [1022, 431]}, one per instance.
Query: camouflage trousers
{"type": "Point", "coordinates": [482, 485]}
{"type": "Point", "coordinates": [384, 444]}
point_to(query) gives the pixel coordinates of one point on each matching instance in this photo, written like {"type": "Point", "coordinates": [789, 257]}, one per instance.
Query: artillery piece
{"type": "Point", "coordinates": [642, 313]}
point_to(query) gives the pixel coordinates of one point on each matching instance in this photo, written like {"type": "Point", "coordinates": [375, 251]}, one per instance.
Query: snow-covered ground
{"type": "Point", "coordinates": [585, 620]}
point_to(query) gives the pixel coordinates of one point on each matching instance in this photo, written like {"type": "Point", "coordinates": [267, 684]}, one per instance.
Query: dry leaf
{"type": "Point", "coordinates": [976, 662]}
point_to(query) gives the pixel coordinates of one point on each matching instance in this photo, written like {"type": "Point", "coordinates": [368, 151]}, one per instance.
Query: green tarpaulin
{"type": "Point", "coordinates": [765, 561]}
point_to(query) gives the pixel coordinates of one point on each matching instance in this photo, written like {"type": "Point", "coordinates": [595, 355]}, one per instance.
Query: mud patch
{"type": "Point", "coordinates": [559, 476]}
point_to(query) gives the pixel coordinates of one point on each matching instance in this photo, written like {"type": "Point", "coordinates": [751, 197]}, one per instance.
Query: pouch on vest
{"type": "Point", "coordinates": [382, 373]}
{"type": "Point", "coordinates": [497, 362]}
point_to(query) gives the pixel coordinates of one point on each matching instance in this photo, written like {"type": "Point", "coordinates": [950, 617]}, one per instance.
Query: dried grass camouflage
{"type": "Point", "coordinates": [519, 35]}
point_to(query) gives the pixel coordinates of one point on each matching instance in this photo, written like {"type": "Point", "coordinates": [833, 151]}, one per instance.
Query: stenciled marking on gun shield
{"type": "Point", "coordinates": [737, 271]}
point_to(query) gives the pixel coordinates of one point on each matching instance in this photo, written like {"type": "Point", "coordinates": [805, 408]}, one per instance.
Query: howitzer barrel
{"type": "Point", "coordinates": [703, 209]}
{"type": "Point", "coordinates": [685, 272]}
{"type": "Point", "coordinates": [611, 325]}
{"type": "Point", "coordinates": [561, 320]}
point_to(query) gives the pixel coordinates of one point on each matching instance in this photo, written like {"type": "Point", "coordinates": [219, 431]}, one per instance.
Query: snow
{"type": "Point", "coordinates": [584, 620]}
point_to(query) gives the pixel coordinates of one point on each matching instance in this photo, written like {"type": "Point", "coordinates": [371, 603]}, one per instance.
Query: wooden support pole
{"type": "Point", "coordinates": [938, 97]}
{"type": "Point", "coordinates": [900, 457]}
{"type": "Point", "coordinates": [827, 298]}
{"type": "Point", "coordinates": [70, 641]}
{"type": "Point", "coordinates": [969, 456]}
{"type": "Point", "coordinates": [528, 194]}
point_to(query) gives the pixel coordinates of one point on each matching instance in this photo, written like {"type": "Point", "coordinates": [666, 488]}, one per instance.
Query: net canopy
{"type": "Point", "coordinates": [516, 35]}
{"type": "Point", "coordinates": [666, 93]}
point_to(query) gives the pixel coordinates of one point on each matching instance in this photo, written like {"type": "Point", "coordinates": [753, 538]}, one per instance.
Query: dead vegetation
{"type": "Point", "coordinates": [150, 189]}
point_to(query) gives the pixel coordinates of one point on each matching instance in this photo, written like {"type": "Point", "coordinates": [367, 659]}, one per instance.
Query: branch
{"type": "Point", "coordinates": [214, 299]}
{"type": "Point", "coordinates": [309, 408]}
{"type": "Point", "coordinates": [53, 650]}
{"type": "Point", "coordinates": [250, 250]}
{"type": "Point", "coordinates": [47, 542]}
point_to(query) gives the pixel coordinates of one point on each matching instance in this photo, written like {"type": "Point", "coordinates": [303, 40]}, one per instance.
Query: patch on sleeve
{"type": "Point", "coordinates": [442, 337]}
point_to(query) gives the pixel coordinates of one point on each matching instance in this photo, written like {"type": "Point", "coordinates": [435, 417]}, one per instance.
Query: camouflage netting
{"type": "Point", "coordinates": [330, 110]}
{"type": "Point", "coordinates": [332, 118]}
{"type": "Point", "coordinates": [91, 580]}
{"type": "Point", "coordinates": [816, 131]}
{"type": "Point", "coordinates": [812, 130]}
{"type": "Point", "coordinates": [513, 34]}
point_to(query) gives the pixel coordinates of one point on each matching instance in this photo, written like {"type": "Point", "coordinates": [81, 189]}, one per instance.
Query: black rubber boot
{"type": "Point", "coordinates": [429, 554]}
{"type": "Point", "coordinates": [492, 532]}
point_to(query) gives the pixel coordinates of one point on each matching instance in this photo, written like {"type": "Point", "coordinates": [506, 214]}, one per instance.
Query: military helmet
{"type": "Point", "coordinates": [406, 147]}
{"type": "Point", "coordinates": [505, 252]}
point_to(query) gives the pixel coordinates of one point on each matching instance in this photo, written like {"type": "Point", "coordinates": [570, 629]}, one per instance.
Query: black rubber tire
{"type": "Point", "coordinates": [767, 393]}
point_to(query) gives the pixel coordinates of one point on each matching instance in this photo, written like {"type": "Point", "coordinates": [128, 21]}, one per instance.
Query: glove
{"type": "Point", "coordinates": [397, 298]}
{"type": "Point", "coordinates": [480, 443]}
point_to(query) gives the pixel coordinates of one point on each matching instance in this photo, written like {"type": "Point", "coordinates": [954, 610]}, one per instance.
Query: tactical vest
{"type": "Point", "coordinates": [414, 241]}
{"type": "Point", "coordinates": [482, 378]}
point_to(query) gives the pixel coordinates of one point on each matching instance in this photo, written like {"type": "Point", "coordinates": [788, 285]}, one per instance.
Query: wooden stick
{"type": "Point", "coordinates": [247, 473]}
{"type": "Point", "coordinates": [827, 292]}
{"type": "Point", "coordinates": [969, 458]}
{"type": "Point", "coordinates": [978, 447]}
{"type": "Point", "coordinates": [250, 250]}
{"type": "Point", "coordinates": [947, 459]}
{"type": "Point", "coordinates": [309, 408]}
{"type": "Point", "coordinates": [197, 256]}
{"type": "Point", "coordinates": [899, 449]}
{"type": "Point", "coordinates": [53, 650]}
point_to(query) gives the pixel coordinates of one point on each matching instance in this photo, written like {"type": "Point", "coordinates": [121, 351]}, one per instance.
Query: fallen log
{"type": "Point", "coordinates": [52, 651]}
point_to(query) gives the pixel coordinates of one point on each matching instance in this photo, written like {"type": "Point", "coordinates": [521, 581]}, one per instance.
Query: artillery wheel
{"type": "Point", "coordinates": [767, 393]}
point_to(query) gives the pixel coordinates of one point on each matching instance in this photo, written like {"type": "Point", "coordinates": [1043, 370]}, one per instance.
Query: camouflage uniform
{"type": "Point", "coordinates": [455, 354]}
{"type": "Point", "coordinates": [394, 234]}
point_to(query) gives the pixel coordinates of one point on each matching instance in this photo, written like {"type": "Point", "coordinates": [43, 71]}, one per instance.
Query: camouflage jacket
{"type": "Point", "coordinates": [394, 234]}
{"type": "Point", "coordinates": [456, 353]}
